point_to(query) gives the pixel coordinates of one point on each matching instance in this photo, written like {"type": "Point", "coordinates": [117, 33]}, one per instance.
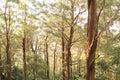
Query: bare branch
{"type": "Point", "coordinates": [103, 5]}
{"type": "Point", "coordinates": [94, 59]}
{"type": "Point", "coordinates": [63, 34]}
{"type": "Point", "coordinates": [76, 17]}
{"type": "Point", "coordinates": [107, 23]}
{"type": "Point", "coordinates": [77, 40]}
{"type": "Point", "coordinates": [67, 22]}
{"type": "Point", "coordinates": [80, 12]}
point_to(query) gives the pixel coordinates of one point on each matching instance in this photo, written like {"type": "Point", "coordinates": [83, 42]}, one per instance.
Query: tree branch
{"type": "Point", "coordinates": [107, 24]}
{"type": "Point", "coordinates": [103, 5]}
{"type": "Point", "coordinates": [80, 12]}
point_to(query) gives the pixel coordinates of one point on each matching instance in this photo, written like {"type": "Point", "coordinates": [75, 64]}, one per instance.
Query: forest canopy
{"type": "Point", "coordinates": [59, 40]}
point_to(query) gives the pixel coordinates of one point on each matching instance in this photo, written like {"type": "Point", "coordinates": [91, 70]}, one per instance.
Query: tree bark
{"type": "Point", "coordinates": [0, 57]}
{"type": "Point", "coordinates": [63, 55]}
{"type": "Point", "coordinates": [91, 39]}
{"type": "Point", "coordinates": [25, 47]}
{"type": "Point", "coordinates": [8, 58]}
{"type": "Point", "coordinates": [24, 57]}
{"type": "Point", "coordinates": [7, 24]}
{"type": "Point", "coordinates": [47, 57]}
{"type": "Point", "coordinates": [66, 47]}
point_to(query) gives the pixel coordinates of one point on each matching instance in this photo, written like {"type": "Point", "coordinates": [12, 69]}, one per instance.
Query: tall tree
{"type": "Point", "coordinates": [63, 56]}
{"type": "Point", "coordinates": [0, 57]}
{"type": "Point", "coordinates": [8, 24]}
{"type": "Point", "coordinates": [91, 39]}
{"type": "Point", "coordinates": [47, 57]}
{"type": "Point", "coordinates": [24, 46]}
{"type": "Point", "coordinates": [24, 57]}
{"type": "Point", "coordinates": [67, 44]}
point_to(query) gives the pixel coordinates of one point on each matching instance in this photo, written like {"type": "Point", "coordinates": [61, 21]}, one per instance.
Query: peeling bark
{"type": "Point", "coordinates": [91, 39]}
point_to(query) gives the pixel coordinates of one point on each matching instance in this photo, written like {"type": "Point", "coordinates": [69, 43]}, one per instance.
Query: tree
{"type": "Point", "coordinates": [24, 57]}
{"type": "Point", "coordinates": [47, 57]}
{"type": "Point", "coordinates": [65, 26]}
{"type": "Point", "coordinates": [62, 54]}
{"type": "Point", "coordinates": [24, 45]}
{"type": "Point", "coordinates": [0, 57]}
{"type": "Point", "coordinates": [91, 39]}
{"type": "Point", "coordinates": [8, 29]}
{"type": "Point", "coordinates": [67, 41]}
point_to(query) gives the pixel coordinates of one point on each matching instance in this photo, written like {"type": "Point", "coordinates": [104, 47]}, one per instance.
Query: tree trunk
{"type": "Point", "coordinates": [24, 57]}
{"type": "Point", "coordinates": [47, 57]}
{"type": "Point", "coordinates": [7, 23]}
{"type": "Point", "coordinates": [66, 47]}
{"type": "Point", "coordinates": [8, 58]}
{"type": "Point", "coordinates": [91, 39]}
{"type": "Point", "coordinates": [0, 57]}
{"type": "Point", "coordinates": [68, 62]}
{"type": "Point", "coordinates": [63, 55]}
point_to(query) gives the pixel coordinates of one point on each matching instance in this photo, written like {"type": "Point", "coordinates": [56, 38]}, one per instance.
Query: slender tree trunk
{"type": "Point", "coordinates": [68, 63]}
{"type": "Point", "coordinates": [91, 39]}
{"type": "Point", "coordinates": [25, 48]}
{"type": "Point", "coordinates": [47, 57]}
{"type": "Point", "coordinates": [47, 61]}
{"type": "Point", "coordinates": [63, 55]}
{"type": "Point", "coordinates": [24, 57]}
{"type": "Point", "coordinates": [45, 71]}
{"type": "Point", "coordinates": [0, 57]}
{"type": "Point", "coordinates": [8, 57]}
{"type": "Point", "coordinates": [66, 47]}
{"type": "Point", "coordinates": [7, 23]}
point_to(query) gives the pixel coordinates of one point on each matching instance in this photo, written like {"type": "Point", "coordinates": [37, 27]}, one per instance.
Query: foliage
{"type": "Point", "coordinates": [17, 73]}
{"type": "Point", "coordinates": [40, 19]}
